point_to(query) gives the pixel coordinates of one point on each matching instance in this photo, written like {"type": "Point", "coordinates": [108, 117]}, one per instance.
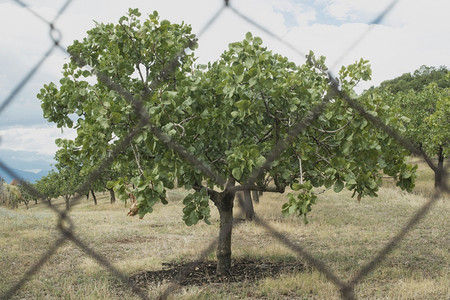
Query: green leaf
{"type": "Point", "coordinates": [292, 209]}
{"type": "Point", "coordinates": [339, 136]}
{"type": "Point", "coordinates": [243, 105]}
{"type": "Point", "coordinates": [292, 108]}
{"type": "Point", "coordinates": [295, 101]}
{"type": "Point", "coordinates": [297, 186]}
{"type": "Point", "coordinates": [191, 219]}
{"type": "Point", "coordinates": [238, 69]}
{"type": "Point", "coordinates": [159, 187]}
{"type": "Point", "coordinates": [406, 174]}
{"type": "Point", "coordinates": [338, 186]}
{"type": "Point", "coordinates": [248, 62]}
{"type": "Point", "coordinates": [330, 172]}
{"type": "Point", "coordinates": [234, 114]}
{"type": "Point", "coordinates": [350, 178]}
{"type": "Point", "coordinates": [257, 41]}
{"type": "Point", "coordinates": [237, 173]}
{"type": "Point", "coordinates": [346, 148]}
{"type": "Point", "coordinates": [285, 210]}
{"type": "Point", "coordinates": [260, 161]}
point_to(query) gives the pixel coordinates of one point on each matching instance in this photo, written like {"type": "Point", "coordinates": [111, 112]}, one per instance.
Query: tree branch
{"type": "Point", "coordinates": [213, 195]}
{"type": "Point", "coordinates": [337, 130]}
{"type": "Point", "coordinates": [266, 136]}
{"type": "Point", "coordinates": [137, 52]}
{"type": "Point", "coordinates": [270, 189]}
{"type": "Point", "coordinates": [137, 158]}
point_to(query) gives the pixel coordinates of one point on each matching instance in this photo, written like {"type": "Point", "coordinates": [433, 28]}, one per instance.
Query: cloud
{"type": "Point", "coordinates": [40, 139]}
{"type": "Point", "coordinates": [294, 13]}
{"type": "Point", "coordinates": [412, 35]}
{"type": "Point", "coordinates": [355, 10]}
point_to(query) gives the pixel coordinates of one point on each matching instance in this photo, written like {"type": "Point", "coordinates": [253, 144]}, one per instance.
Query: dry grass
{"type": "Point", "coordinates": [343, 233]}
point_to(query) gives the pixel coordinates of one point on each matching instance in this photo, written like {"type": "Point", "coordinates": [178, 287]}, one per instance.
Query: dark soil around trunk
{"type": "Point", "coordinates": [249, 270]}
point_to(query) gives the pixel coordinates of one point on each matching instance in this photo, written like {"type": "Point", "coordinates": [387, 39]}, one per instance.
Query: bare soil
{"type": "Point", "coordinates": [200, 273]}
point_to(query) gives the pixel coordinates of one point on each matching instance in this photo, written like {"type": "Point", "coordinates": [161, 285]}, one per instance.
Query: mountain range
{"type": "Point", "coordinates": [26, 165]}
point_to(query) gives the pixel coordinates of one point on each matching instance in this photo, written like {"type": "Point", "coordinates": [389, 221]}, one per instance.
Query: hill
{"type": "Point", "coordinates": [28, 165]}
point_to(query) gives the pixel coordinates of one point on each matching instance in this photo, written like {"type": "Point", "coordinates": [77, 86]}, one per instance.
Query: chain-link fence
{"type": "Point", "coordinates": [65, 225]}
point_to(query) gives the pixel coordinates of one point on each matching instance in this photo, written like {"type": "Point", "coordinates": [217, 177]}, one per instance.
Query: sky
{"type": "Point", "coordinates": [414, 33]}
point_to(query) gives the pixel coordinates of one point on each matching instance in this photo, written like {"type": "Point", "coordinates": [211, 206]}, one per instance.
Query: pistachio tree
{"type": "Point", "coordinates": [71, 156]}
{"type": "Point", "coordinates": [423, 98]}
{"type": "Point", "coordinates": [48, 186]}
{"type": "Point", "coordinates": [68, 179]}
{"type": "Point", "coordinates": [212, 128]}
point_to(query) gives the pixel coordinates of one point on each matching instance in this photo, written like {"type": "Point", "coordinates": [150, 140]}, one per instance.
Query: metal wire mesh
{"type": "Point", "coordinates": [65, 225]}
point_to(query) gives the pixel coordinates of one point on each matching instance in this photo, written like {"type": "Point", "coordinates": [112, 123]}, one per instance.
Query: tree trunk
{"type": "Point", "coordinates": [87, 196]}
{"type": "Point", "coordinates": [439, 174]}
{"type": "Point", "coordinates": [255, 196]}
{"type": "Point", "coordinates": [248, 206]}
{"type": "Point", "coordinates": [113, 195]}
{"type": "Point", "coordinates": [67, 198]}
{"type": "Point", "coordinates": [224, 204]}
{"type": "Point", "coordinates": [35, 200]}
{"type": "Point", "coordinates": [93, 196]}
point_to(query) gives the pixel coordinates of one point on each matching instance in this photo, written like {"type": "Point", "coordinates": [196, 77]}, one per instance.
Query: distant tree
{"type": "Point", "coordinates": [424, 99]}
{"type": "Point", "coordinates": [10, 195]}
{"type": "Point", "coordinates": [63, 182]}
{"type": "Point", "coordinates": [26, 195]}
{"type": "Point", "coordinates": [418, 80]}
{"type": "Point", "coordinates": [68, 181]}
{"type": "Point", "coordinates": [69, 154]}
{"type": "Point", "coordinates": [228, 114]}
{"type": "Point", "coordinates": [48, 186]}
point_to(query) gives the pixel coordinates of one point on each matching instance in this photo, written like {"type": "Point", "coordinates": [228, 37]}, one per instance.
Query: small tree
{"type": "Point", "coordinates": [68, 181]}
{"type": "Point", "coordinates": [26, 195]}
{"type": "Point", "coordinates": [70, 155]}
{"type": "Point", "coordinates": [229, 115]}
{"type": "Point", "coordinates": [48, 186]}
{"type": "Point", "coordinates": [69, 176]}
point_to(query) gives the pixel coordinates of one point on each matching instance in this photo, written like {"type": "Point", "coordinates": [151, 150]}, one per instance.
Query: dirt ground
{"type": "Point", "coordinates": [199, 273]}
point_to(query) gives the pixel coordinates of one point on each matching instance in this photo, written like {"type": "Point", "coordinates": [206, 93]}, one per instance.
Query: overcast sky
{"type": "Point", "coordinates": [415, 33]}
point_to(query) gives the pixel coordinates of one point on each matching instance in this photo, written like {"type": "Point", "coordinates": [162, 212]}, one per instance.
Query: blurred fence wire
{"type": "Point", "coordinates": [66, 227]}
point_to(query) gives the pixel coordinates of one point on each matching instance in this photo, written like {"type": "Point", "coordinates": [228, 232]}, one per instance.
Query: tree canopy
{"type": "Point", "coordinates": [418, 80]}
{"type": "Point", "coordinates": [48, 186]}
{"type": "Point", "coordinates": [228, 115]}
{"type": "Point", "coordinates": [423, 97]}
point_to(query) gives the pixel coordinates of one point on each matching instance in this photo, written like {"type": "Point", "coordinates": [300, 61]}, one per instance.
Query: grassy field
{"type": "Point", "coordinates": [342, 233]}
